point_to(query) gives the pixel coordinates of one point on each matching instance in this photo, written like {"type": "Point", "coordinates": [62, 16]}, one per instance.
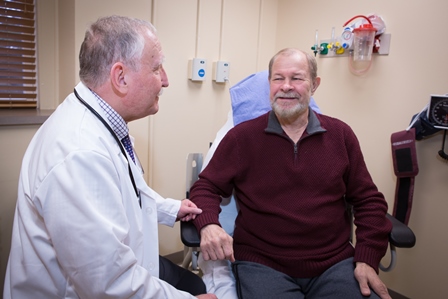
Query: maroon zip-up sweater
{"type": "Point", "coordinates": [292, 197]}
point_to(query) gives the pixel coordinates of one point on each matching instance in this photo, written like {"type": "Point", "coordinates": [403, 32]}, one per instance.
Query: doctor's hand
{"type": "Point", "coordinates": [188, 211]}
{"type": "Point", "coordinates": [367, 278]}
{"type": "Point", "coordinates": [216, 244]}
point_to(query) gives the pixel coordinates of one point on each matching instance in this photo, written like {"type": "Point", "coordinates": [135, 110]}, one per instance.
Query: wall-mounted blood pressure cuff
{"type": "Point", "coordinates": [404, 156]}
{"type": "Point", "coordinates": [423, 128]}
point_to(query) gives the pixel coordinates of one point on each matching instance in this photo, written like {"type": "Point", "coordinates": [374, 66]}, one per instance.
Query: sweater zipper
{"type": "Point", "coordinates": [296, 147]}
{"type": "Point", "coordinates": [296, 158]}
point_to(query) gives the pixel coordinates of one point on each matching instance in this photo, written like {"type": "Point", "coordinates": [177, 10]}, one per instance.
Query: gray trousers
{"type": "Point", "coordinates": [256, 281]}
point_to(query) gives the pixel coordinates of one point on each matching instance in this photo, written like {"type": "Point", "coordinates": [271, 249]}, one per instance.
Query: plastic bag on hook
{"type": "Point", "coordinates": [377, 22]}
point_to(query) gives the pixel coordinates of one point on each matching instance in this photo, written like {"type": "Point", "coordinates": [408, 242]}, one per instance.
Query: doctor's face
{"type": "Point", "coordinates": [291, 86]}
{"type": "Point", "coordinates": [148, 81]}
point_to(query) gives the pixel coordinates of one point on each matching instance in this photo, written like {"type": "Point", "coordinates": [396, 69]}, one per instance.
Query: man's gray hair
{"type": "Point", "coordinates": [109, 40]}
{"type": "Point", "coordinates": [312, 64]}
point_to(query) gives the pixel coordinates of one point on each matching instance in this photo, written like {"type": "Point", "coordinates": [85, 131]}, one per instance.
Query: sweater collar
{"type": "Point", "coordinates": [313, 126]}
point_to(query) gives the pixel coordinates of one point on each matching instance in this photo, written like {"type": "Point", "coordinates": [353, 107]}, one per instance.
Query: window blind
{"type": "Point", "coordinates": [18, 73]}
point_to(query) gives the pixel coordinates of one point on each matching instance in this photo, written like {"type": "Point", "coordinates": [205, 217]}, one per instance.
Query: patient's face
{"type": "Point", "coordinates": [290, 85]}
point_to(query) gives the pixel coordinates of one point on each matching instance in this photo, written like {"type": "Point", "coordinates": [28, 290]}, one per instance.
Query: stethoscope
{"type": "Point", "coordinates": [123, 151]}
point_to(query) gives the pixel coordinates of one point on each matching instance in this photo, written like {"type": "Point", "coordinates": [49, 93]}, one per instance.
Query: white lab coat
{"type": "Point", "coordinates": [79, 231]}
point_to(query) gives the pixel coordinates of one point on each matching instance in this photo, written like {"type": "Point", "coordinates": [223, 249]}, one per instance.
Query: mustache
{"type": "Point", "coordinates": [288, 95]}
{"type": "Point", "coordinates": [160, 92]}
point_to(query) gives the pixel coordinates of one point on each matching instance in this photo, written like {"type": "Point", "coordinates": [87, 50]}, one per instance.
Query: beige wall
{"type": "Point", "coordinates": [247, 33]}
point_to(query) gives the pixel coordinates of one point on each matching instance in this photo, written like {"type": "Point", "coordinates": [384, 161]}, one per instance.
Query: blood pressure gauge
{"type": "Point", "coordinates": [438, 111]}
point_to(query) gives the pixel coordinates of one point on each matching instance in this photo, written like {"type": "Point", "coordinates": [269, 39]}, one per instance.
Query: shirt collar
{"type": "Point", "coordinates": [118, 124]}
{"type": "Point", "coordinates": [312, 127]}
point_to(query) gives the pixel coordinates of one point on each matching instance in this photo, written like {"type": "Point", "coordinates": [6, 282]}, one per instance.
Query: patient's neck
{"type": "Point", "coordinates": [294, 127]}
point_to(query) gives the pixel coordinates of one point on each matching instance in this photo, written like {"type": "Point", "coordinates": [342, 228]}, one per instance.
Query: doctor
{"type": "Point", "coordinates": [86, 222]}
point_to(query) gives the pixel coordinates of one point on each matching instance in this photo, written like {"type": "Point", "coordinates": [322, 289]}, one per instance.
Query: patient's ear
{"type": "Point", "coordinates": [315, 85]}
{"type": "Point", "coordinates": [118, 78]}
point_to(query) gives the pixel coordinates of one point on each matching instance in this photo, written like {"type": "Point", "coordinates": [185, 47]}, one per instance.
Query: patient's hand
{"type": "Point", "coordinates": [367, 278]}
{"type": "Point", "coordinates": [216, 244]}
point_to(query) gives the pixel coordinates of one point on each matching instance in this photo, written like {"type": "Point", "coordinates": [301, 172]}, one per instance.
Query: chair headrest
{"type": "Point", "coordinates": [250, 97]}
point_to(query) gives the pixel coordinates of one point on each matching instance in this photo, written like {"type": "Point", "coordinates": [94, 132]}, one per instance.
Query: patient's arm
{"type": "Point", "coordinates": [216, 244]}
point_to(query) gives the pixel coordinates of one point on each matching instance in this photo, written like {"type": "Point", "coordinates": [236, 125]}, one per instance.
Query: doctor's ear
{"type": "Point", "coordinates": [118, 78]}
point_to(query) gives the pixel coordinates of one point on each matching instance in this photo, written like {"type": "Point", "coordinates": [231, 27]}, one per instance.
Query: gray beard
{"type": "Point", "coordinates": [295, 111]}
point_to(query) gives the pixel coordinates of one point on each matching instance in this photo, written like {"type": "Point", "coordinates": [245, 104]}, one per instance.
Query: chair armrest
{"type": "Point", "coordinates": [189, 234]}
{"type": "Point", "coordinates": [401, 235]}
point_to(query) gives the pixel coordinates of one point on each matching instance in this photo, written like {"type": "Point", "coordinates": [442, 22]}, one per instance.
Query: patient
{"type": "Point", "coordinates": [293, 171]}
